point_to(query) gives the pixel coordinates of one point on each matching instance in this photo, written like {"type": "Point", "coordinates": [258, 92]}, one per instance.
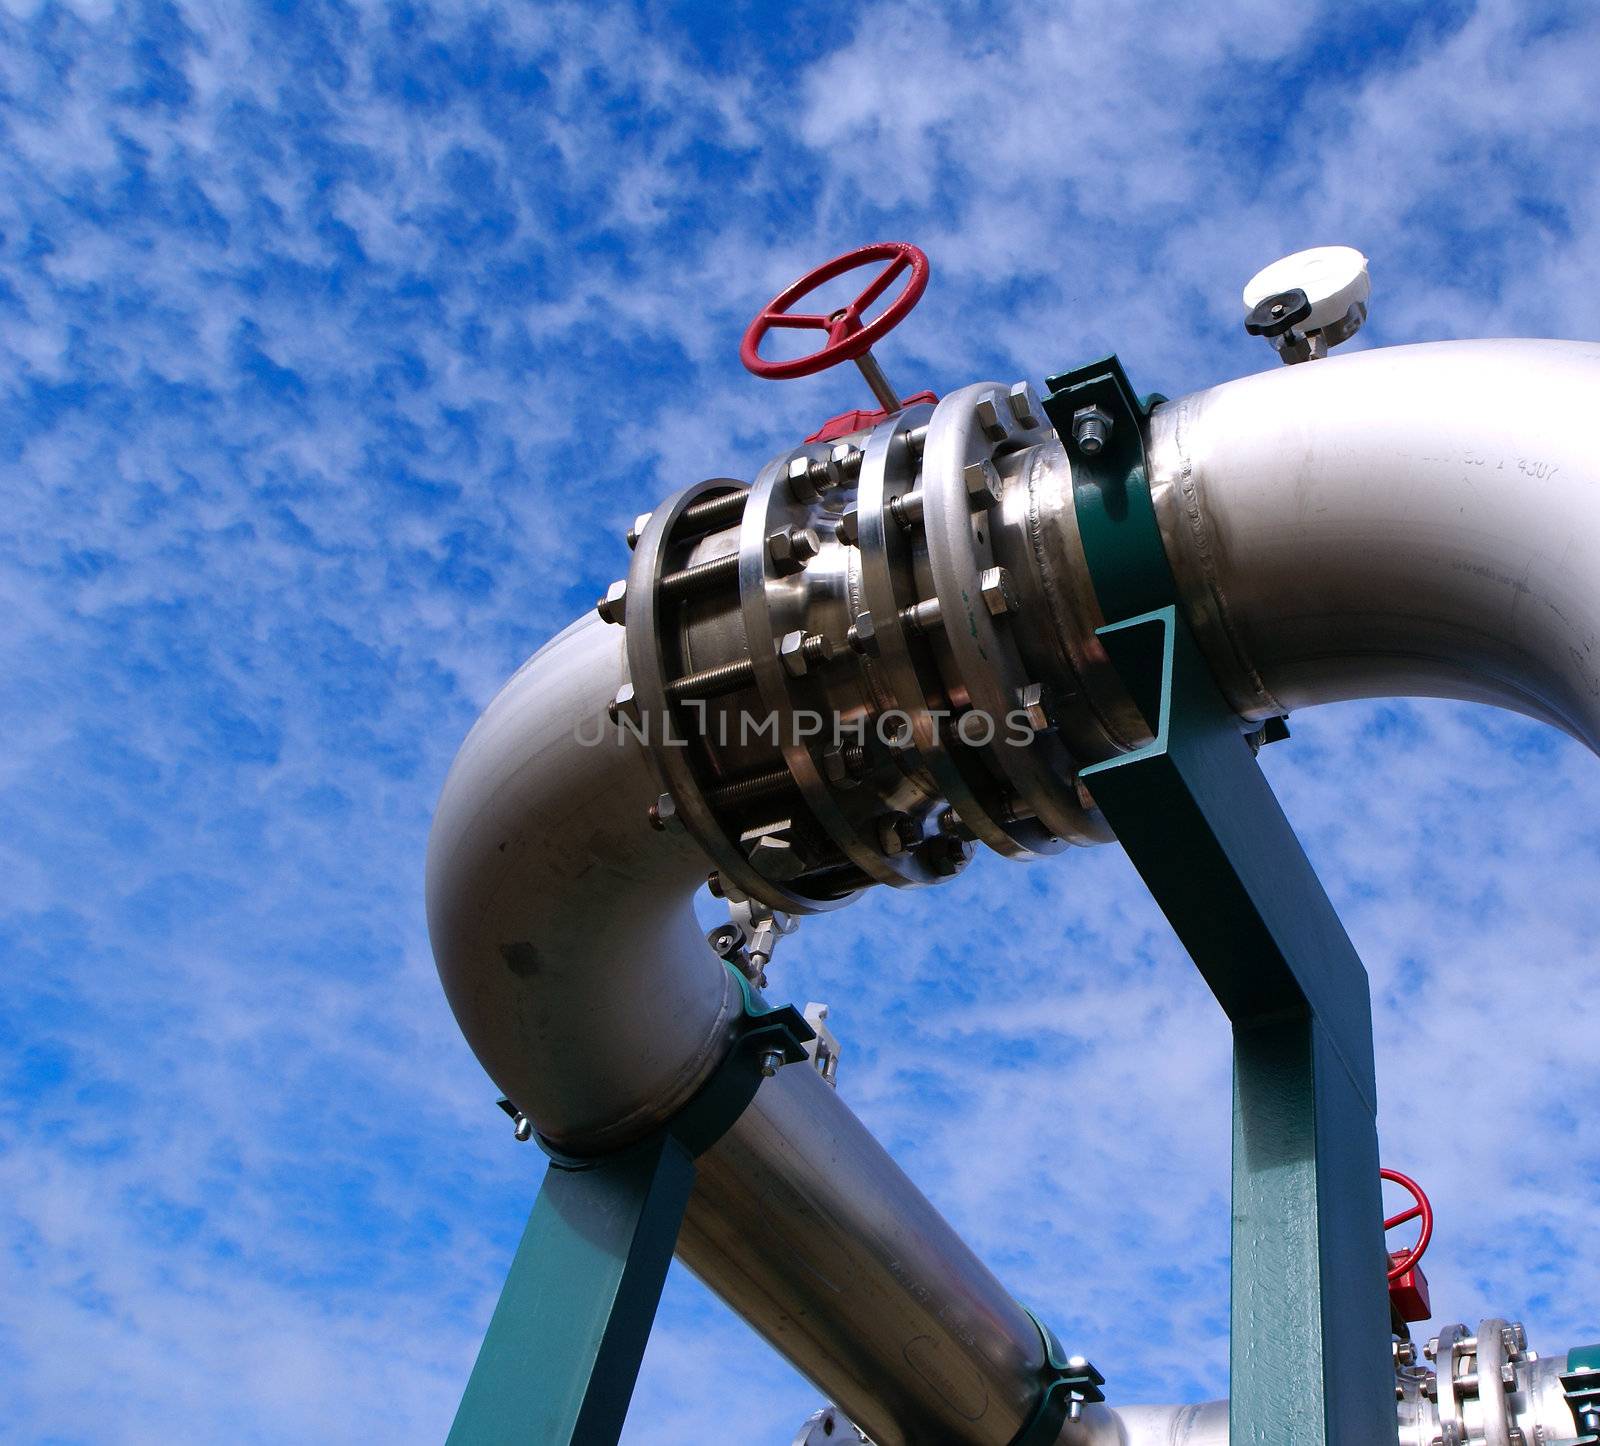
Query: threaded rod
{"type": "Point", "coordinates": [752, 786]}
{"type": "Point", "coordinates": [712, 513]}
{"type": "Point", "coordinates": [699, 578]}
{"type": "Point", "coordinates": [712, 682]}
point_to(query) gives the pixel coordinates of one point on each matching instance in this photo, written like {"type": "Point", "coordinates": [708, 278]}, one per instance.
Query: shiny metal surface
{"type": "Point", "coordinates": [1419, 520]}
{"type": "Point", "coordinates": [1413, 520]}
{"type": "Point", "coordinates": [980, 658]}
{"type": "Point", "coordinates": [596, 1021]}
{"type": "Point", "coordinates": [803, 1223]}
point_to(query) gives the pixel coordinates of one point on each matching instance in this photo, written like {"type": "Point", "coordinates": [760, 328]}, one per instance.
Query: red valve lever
{"type": "Point", "coordinates": [849, 338]}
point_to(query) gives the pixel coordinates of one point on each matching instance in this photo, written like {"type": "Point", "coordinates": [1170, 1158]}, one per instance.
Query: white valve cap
{"type": "Point", "coordinates": [1334, 278]}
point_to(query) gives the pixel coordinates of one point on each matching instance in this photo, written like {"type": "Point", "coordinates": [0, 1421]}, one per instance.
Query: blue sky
{"type": "Point", "coordinates": [339, 344]}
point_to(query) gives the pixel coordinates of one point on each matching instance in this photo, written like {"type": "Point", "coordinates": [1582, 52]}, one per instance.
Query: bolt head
{"type": "Point", "coordinates": [792, 548]}
{"type": "Point", "coordinates": [999, 594]}
{"type": "Point", "coordinates": [1031, 700]}
{"type": "Point", "coordinates": [664, 814]}
{"type": "Point", "coordinates": [863, 636]}
{"type": "Point", "coordinates": [991, 415]}
{"type": "Point", "coordinates": [625, 706]}
{"type": "Point", "coordinates": [635, 532]}
{"type": "Point", "coordinates": [613, 606]}
{"type": "Point", "coordinates": [523, 1129]}
{"type": "Point", "coordinates": [792, 652]}
{"type": "Point", "coordinates": [848, 527]}
{"type": "Point", "coordinates": [1431, 1350]}
{"type": "Point", "coordinates": [983, 484]}
{"type": "Point", "coordinates": [774, 857]}
{"type": "Point", "coordinates": [771, 1063]}
{"type": "Point", "coordinates": [1024, 405]}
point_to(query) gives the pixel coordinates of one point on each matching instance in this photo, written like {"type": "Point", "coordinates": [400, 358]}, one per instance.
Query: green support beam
{"type": "Point", "coordinates": [1310, 1338]}
{"type": "Point", "coordinates": [563, 1348]}
{"type": "Point", "coordinates": [558, 1364]}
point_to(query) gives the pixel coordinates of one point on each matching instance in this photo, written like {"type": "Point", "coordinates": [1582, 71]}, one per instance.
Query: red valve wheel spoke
{"type": "Point", "coordinates": [796, 319]}
{"type": "Point", "coordinates": [878, 287]}
{"type": "Point", "coordinates": [849, 338]}
{"type": "Point", "coordinates": [1402, 1217]}
{"type": "Point", "coordinates": [1406, 1260]}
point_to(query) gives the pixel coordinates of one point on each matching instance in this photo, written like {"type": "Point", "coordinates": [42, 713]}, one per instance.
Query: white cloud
{"type": "Point", "coordinates": [254, 1183]}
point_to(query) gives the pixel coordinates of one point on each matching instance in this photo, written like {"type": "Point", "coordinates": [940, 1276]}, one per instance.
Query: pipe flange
{"type": "Point", "coordinates": [984, 668]}
{"type": "Point", "coordinates": [795, 619]}
{"type": "Point", "coordinates": [674, 750]}
{"type": "Point", "coordinates": [851, 793]}
{"type": "Point", "coordinates": [1037, 539]}
{"type": "Point", "coordinates": [1452, 1343]}
{"type": "Point", "coordinates": [894, 578]}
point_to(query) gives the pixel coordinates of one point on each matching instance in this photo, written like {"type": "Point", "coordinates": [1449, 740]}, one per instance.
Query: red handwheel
{"type": "Point", "coordinates": [849, 339]}
{"type": "Point", "coordinates": [1405, 1260]}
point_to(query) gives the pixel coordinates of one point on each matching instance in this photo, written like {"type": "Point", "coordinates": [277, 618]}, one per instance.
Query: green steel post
{"type": "Point", "coordinates": [558, 1364]}
{"type": "Point", "coordinates": [1310, 1359]}
{"type": "Point", "coordinates": [1310, 1356]}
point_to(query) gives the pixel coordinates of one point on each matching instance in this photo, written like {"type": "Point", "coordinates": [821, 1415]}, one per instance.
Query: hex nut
{"type": "Point", "coordinates": [862, 635]}
{"type": "Point", "coordinates": [801, 486]}
{"type": "Point", "coordinates": [1091, 430]}
{"type": "Point", "coordinates": [840, 768]}
{"type": "Point", "coordinates": [664, 814]}
{"type": "Point", "coordinates": [792, 651]}
{"type": "Point", "coordinates": [635, 532]}
{"type": "Point", "coordinates": [946, 856]}
{"type": "Point", "coordinates": [848, 527]}
{"type": "Point", "coordinates": [625, 706]}
{"type": "Point", "coordinates": [613, 606]}
{"type": "Point", "coordinates": [1024, 405]}
{"type": "Point", "coordinates": [983, 484]}
{"type": "Point", "coordinates": [774, 857]}
{"type": "Point", "coordinates": [792, 548]}
{"type": "Point", "coordinates": [1031, 700]}
{"type": "Point", "coordinates": [898, 832]}
{"type": "Point", "coordinates": [999, 594]}
{"type": "Point", "coordinates": [990, 418]}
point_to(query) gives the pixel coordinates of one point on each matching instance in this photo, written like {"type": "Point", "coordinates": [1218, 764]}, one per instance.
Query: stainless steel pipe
{"type": "Point", "coordinates": [563, 928]}
{"type": "Point", "coordinates": [1418, 520]}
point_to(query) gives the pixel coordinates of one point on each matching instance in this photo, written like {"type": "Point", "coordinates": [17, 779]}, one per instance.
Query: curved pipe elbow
{"type": "Point", "coordinates": [1417, 520]}
{"type": "Point", "coordinates": [562, 925]}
